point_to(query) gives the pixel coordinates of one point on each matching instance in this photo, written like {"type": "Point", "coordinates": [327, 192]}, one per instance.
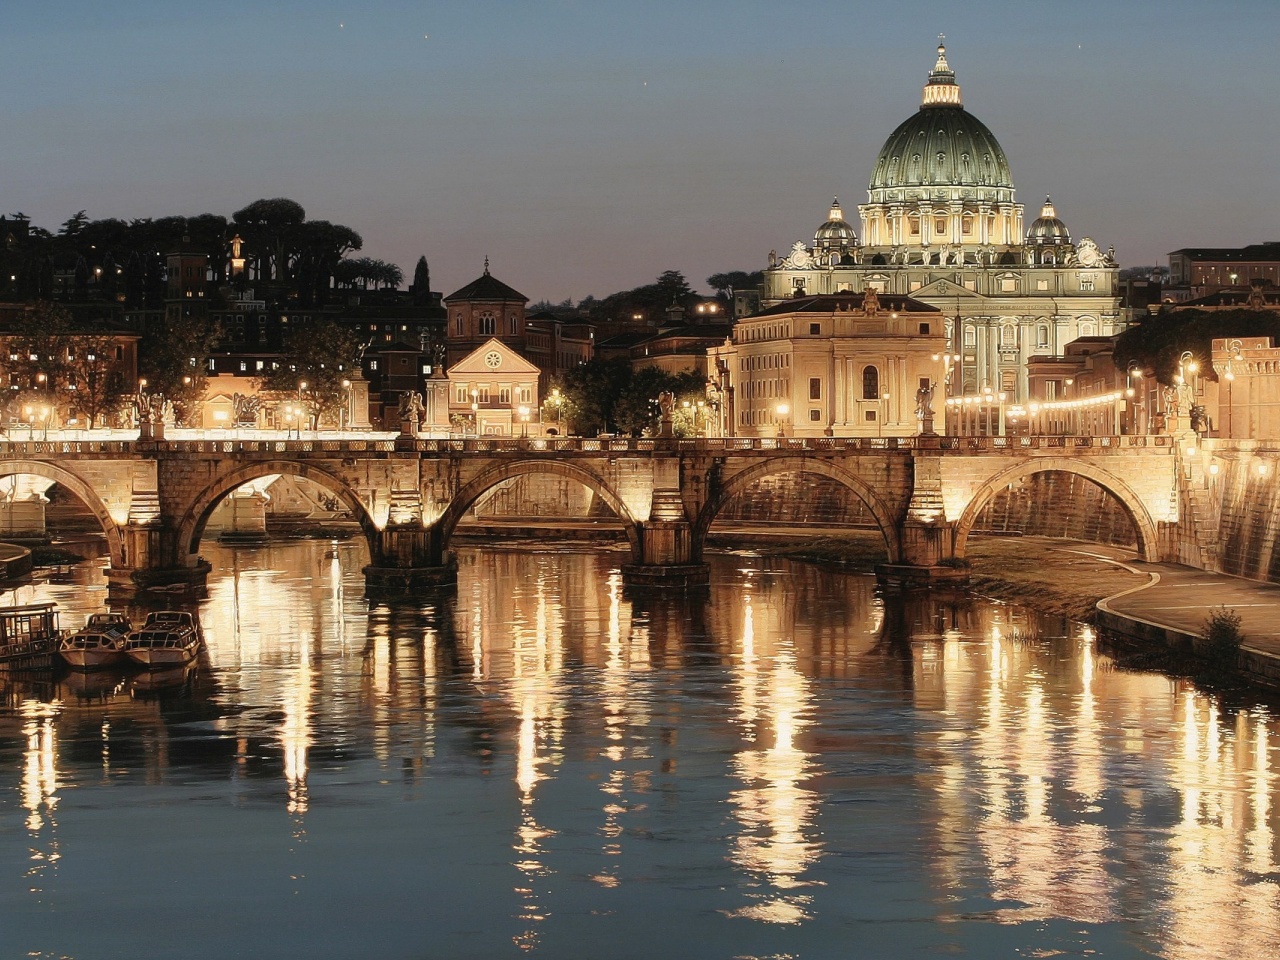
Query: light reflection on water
{"type": "Point", "coordinates": [547, 765]}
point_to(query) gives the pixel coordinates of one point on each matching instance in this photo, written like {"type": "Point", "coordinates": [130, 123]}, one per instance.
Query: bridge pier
{"type": "Point", "coordinates": [926, 539]}
{"type": "Point", "coordinates": [410, 559]}
{"type": "Point", "coordinates": [665, 553]}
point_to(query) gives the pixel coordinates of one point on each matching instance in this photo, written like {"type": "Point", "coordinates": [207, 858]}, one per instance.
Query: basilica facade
{"type": "Point", "coordinates": [942, 226]}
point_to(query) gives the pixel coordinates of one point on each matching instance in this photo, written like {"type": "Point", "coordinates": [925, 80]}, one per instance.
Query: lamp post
{"type": "Point", "coordinates": [1234, 352]}
{"type": "Point", "coordinates": [475, 412]}
{"type": "Point", "coordinates": [1133, 372]}
{"type": "Point", "coordinates": [784, 411]}
{"type": "Point", "coordinates": [884, 403]}
{"type": "Point", "coordinates": [1188, 367]}
{"type": "Point", "coordinates": [302, 406]}
{"type": "Point", "coordinates": [344, 415]}
{"type": "Point", "coordinates": [557, 401]}
{"type": "Point", "coordinates": [524, 422]}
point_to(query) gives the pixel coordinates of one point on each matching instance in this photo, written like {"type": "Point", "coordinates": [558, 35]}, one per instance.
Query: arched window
{"type": "Point", "coordinates": [487, 324]}
{"type": "Point", "coordinates": [1042, 336]}
{"type": "Point", "coordinates": [1087, 329]}
{"type": "Point", "coordinates": [870, 383]}
{"type": "Point", "coordinates": [1008, 335]}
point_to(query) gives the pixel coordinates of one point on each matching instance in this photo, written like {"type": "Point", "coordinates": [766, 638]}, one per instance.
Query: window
{"type": "Point", "coordinates": [488, 324]}
{"type": "Point", "coordinates": [914, 225]}
{"type": "Point", "coordinates": [1008, 381]}
{"type": "Point", "coordinates": [1042, 336]}
{"type": "Point", "coordinates": [815, 329]}
{"type": "Point", "coordinates": [815, 388]}
{"type": "Point", "coordinates": [258, 365]}
{"type": "Point", "coordinates": [870, 416]}
{"type": "Point", "coordinates": [526, 394]}
{"type": "Point", "coordinates": [940, 225]}
{"type": "Point", "coordinates": [373, 365]}
{"type": "Point", "coordinates": [460, 394]}
{"type": "Point", "coordinates": [457, 324]}
{"type": "Point", "coordinates": [504, 395]}
{"type": "Point", "coordinates": [1008, 335]}
{"type": "Point", "coordinates": [243, 366]}
{"type": "Point", "coordinates": [1086, 285]}
{"type": "Point", "coordinates": [815, 415]}
{"type": "Point", "coordinates": [924, 383]}
{"type": "Point", "coordinates": [970, 337]}
{"type": "Point", "coordinates": [513, 324]}
{"type": "Point", "coordinates": [870, 383]}
{"type": "Point", "coordinates": [966, 225]}
{"type": "Point", "coordinates": [797, 283]}
{"type": "Point", "coordinates": [924, 329]}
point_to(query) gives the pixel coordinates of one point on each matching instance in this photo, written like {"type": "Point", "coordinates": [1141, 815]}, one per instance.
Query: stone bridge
{"type": "Point", "coordinates": [153, 498]}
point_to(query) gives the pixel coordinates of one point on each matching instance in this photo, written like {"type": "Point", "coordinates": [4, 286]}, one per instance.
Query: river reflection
{"type": "Point", "coordinates": [546, 764]}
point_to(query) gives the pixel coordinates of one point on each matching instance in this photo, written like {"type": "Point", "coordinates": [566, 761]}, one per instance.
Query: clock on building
{"type": "Point", "coordinates": [493, 359]}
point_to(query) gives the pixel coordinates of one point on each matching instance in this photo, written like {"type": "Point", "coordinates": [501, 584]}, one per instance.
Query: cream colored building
{"type": "Point", "coordinates": [844, 365]}
{"type": "Point", "coordinates": [493, 392]}
{"type": "Point", "coordinates": [942, 225]}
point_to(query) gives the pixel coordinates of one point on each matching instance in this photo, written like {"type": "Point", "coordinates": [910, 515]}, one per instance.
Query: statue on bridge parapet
{"type": "Point", "coordinates": [924, 409]}
{"type": "Point", "coordinates": [244, 409]}
{"type": "Point", "coordinates": [411, 410]}
{"type": "Point", "coordinates": [666, 407]}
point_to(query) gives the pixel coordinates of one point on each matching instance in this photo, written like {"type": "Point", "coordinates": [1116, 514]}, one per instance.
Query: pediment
{"type": "Point", "coordinates": [943, 288]}
{"type": "Point", "coordinates": [479, 362]}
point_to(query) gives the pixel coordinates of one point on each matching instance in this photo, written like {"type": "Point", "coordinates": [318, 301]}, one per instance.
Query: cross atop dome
{"type": "Point", "coordinates": [942, 89]}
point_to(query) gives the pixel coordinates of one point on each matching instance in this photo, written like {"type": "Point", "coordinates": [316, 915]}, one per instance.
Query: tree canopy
{"type": "Point", "coordinates": [1158, 341]}
{"type": "Point", "coordinates": [606, 396]}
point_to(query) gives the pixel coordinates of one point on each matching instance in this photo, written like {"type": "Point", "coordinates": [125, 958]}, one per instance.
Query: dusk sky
{"type": "Point", "coordinates": [587, 146]}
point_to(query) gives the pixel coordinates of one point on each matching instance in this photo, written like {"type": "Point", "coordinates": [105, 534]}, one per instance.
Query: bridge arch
{"type": "Point", "coordinates": [492, 476]}
{"type": "Point", "coordinates": [82, 490]}
{"type": "Point", "coordinates": [778, 465]}
{"type": "Point", "coordinates": [196, 517]}
{"type": "Point", "coordinates": [1148, 538]}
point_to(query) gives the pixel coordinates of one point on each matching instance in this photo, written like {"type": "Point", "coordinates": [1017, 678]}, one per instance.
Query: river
{"type": "Point", "coordinates": [548, 766]}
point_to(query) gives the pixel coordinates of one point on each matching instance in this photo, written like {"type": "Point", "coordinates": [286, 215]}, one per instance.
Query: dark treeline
{"type": "Point", "coordinates": [123, 261]}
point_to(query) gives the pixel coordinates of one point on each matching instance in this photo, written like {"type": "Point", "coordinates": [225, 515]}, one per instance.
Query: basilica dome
{"type": "Point", "coordinates": [941, 144]}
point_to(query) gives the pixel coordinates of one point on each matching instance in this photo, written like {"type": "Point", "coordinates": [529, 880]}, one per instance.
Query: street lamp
{"type": "Point", "coordinates": [302, 405]}
{"type": "Point", "coordinates": [783, 411]}
{"type": "Point", "coordinates": [557, 401]}
{"type": "Point", "coordinates": [344, 415]}
{"type": "Point", "coordinates": [524, 421]}
{"type": "Point", "coordinates": [1234, 352]}
{"type": "Point", "coordinates": [884, 403]}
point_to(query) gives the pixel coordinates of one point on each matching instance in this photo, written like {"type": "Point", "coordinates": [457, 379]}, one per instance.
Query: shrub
{"type": "Point", "coordinates": [1222, 639]}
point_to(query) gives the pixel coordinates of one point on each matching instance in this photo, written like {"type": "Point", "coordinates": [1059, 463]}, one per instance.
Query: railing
{"type": "Point", "coordinates": [578, 445]}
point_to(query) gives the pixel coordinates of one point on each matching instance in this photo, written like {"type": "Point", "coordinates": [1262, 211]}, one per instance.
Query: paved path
{"type": "Point", "coordinates": [1181, 599]}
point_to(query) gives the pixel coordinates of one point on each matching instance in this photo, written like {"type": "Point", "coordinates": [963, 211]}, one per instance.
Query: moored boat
{"type": "Point", "coordinates": [29, 636]}
{"type": "Point", "coordinates": [168, 638]}
{"type": "Point", "coordinates": [99, 643]}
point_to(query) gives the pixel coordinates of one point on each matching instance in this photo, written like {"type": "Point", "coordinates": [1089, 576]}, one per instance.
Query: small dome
{"type": "Point", "coordinates": [836, 231]}
{"type": "Point", "coordinates": [1047, 228]}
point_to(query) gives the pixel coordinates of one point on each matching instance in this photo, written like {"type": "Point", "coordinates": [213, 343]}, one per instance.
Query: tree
{"type": "Point", "coordinates": [92, 376]}
{"type": "Point", "coordinates": [322, 355]}
{"type": "Point", "coordinates": [269, 228]}
{"type": "Point", "coordinates": [421, 288]}
{"type": "Point", "coordinates": [174, 360]}
{"type": "Point", "coordinates": [1158, 341]}
{"type": "Point", "coordinates": [38, 359]}
{"type": "Point", "coordinates": [726, 283]}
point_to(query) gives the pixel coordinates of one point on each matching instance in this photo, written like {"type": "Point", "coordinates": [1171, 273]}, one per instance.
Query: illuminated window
{"type": "Point", "coordinates": [1086, 285]}
{"type": "Point", "coordinates": [870, 383]}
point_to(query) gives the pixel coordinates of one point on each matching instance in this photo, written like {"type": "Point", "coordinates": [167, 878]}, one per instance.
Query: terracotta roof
{"type": "Point", "coordinates": [486, 287]}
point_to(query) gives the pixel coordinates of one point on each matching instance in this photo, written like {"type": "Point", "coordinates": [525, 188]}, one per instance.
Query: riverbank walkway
{"type": "Point", "coordinates": [1175, 604]}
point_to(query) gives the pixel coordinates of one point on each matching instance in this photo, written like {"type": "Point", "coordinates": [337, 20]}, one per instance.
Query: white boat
{"type": "Point", "coordinates": [29, 636]}
{"type": "Point", "coordinates": [99, 643]}
{"type": "Point", "coordinates": [169, 638]}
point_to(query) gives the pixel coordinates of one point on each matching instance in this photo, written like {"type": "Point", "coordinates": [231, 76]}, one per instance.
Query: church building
{"type": "Point", "coordinates": [941, 225]}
